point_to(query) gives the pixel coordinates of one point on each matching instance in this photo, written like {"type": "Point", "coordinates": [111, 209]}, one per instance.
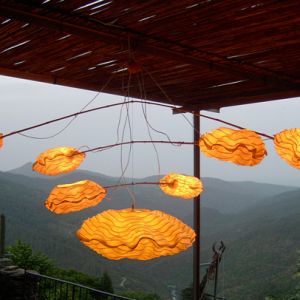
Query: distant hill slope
{"type": "Point", "coordinates": [262, 246]}
{"type": "Point", "coordinates": [261, 241]}
{"type": "Point", "coordinates": [225, 196]}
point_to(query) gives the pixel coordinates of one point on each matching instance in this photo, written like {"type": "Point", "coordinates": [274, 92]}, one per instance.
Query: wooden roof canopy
{"type": "Point", "coordinates": [203, 54]}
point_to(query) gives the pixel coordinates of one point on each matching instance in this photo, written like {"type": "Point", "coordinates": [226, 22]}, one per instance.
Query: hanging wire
{"type": "Point", "coordinates": [121, 104]}
{"type": "Point", "coordinates": [168, 98]}
{"type": "Point", "coordinates": [126, 122]}
{"type": "Point", "coordinates": [84, 146]}
{"type": "Point", "coordinates": [125, 88]}
{"type": "Point", "coordinates": [74, 117]}
{"type": "Point", "coordinates": [233, 125]}
{"type": "Point", "coordinates": [143, 96]}
{"type": "Point", "coordinates": [133, 205]}
{"type": "Point", "coordinates": [114, 186]}
{"type": "Point", "coordinates": [198, 114]}
{"type": "Point", "coordinates": [76, 114]}
{"type": "Point", "coordinates": [102, 148]}
{"type": "Point", "coordinates": [122, 178]}
{"type": "Point", "coordinates": [49, 136]}
{"type": "Point", "coordinates": [119, 121]}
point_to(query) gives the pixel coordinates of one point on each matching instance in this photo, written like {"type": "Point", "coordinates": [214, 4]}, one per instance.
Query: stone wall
{"type": "Point", "coordinates": [13, 285]}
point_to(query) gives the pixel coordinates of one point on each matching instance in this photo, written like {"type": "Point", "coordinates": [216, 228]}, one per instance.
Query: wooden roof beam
{"type": "Point", "coordinates": [202, 103]}
{"type": "Point", "coordinates": [58, 80]}
{"type": "Point", "coordinates": [119, 37]}
{"type": "Point", "coordinates": [209, 103]}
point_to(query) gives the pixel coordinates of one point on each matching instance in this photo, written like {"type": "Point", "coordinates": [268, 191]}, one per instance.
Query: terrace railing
{"type": "Point", "coordinates": [42, 287]}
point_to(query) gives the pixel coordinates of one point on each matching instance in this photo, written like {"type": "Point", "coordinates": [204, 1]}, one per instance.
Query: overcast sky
{"type": "Point", "coordinates": [24, 103]}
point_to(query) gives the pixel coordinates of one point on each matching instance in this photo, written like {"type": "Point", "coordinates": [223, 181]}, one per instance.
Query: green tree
{"type": "Point", "coordinates": [186, 294]}
{"type": "Point", "coordinates": [78, 277]}
{"type": "Point", "coordinates": [141, 295]}
{"type": "Point", "coordinates": [106, 283]}
{"type": "Point", "coordinates": [24, 257]}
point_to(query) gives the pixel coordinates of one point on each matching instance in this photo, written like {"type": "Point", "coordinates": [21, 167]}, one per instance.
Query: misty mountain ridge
{"type": "Point", "coordinates": [239, 195]}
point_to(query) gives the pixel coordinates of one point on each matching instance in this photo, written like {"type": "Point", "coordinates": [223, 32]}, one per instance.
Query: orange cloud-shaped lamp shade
{"type": "Point", "coordinates": [287, 145]}
{"type": "Point", "coordinates": [138, 234]}
{"type": "Point", "coordinates": [58, 160]}
{"type": "Point", "coordinates": [243, 147]}
{"type": "Point", "coordinates": [76, 196]}
{"type": "Point", "coordinates": [1, 140]}
{"type": "Point", "coordinates": [182, 186]}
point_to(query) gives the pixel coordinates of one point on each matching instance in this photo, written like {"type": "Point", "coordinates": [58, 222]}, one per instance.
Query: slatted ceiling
{"type": "Point", "coordinates": [231, 31]}
{"type": "Point", "coordinates": [217, 31]}
{"type": "Point", "coordinates": [190, 77]}
{"type": "Point", "coordinates": [282, 63]}
{"type": "Point", "coordinates": [163, 12]}
{"type": "Point", "coordinates": [58, 53]}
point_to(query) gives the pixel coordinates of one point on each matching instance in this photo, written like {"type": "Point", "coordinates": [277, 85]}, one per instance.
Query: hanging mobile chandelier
{"type": "Point", "coordinates": [143, 234]}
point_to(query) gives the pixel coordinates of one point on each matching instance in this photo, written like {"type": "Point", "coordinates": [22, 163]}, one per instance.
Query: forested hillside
{"type": "Point", "coordinates": [259, 223]}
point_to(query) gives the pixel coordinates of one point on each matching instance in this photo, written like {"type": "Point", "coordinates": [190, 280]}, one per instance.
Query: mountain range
{"type": "Point", "coordinates": [259, 224]}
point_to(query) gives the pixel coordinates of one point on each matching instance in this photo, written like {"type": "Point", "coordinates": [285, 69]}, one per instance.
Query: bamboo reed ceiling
{"type": "Point", "coordinates": [202, 54]}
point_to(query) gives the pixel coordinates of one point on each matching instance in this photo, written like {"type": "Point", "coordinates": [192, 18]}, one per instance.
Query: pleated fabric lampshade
{"type": "Point", "coordinates": [179, 185]}
{"type": "Point", "coordinates": [75, 196]}
{"type": "Point", "coordinates": [59, 160]}
{"type": "Point", "coordinates": [287, 145]}
{"type": "Point", "coordinates": [243, 147]}
{"type": "Point", "coordinates": [139, 234]}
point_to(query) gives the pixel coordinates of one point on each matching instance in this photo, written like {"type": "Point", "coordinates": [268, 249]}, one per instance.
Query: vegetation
{"type": "Point", "coordinates": [106, 283]}
{"type": "Point", "coordinates": [141, 295]}
{"type": "Point", "coordinates": [187, 293]}
{"type": "Point", "coordinates": [293, 294]}
{"type": "Point", "coordinates": [23, 257]}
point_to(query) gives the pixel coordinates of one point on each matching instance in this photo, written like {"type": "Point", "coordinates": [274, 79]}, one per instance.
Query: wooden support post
{"type": "Point", "coordinates": [197, 213]}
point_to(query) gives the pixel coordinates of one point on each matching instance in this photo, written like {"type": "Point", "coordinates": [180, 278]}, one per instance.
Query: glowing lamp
{"type": "Point", "coordinates": [1, 140]}
{"type": "Point", "coordinates": [287, 145]}
{"type": "Point", "coordinates": [182, 186]}
{"type": "Point", "coordinates": [243, 147]}
{"type": "Point", "coordinates": [75, 196]}
{"type": "Point", "coordinates": [58, 160]}
{"type": "Point", "coordinates": [139, 234]}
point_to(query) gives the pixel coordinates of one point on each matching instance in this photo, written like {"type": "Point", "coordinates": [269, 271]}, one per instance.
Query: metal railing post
{"type": "Point", "coordinates": [2, 235]}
